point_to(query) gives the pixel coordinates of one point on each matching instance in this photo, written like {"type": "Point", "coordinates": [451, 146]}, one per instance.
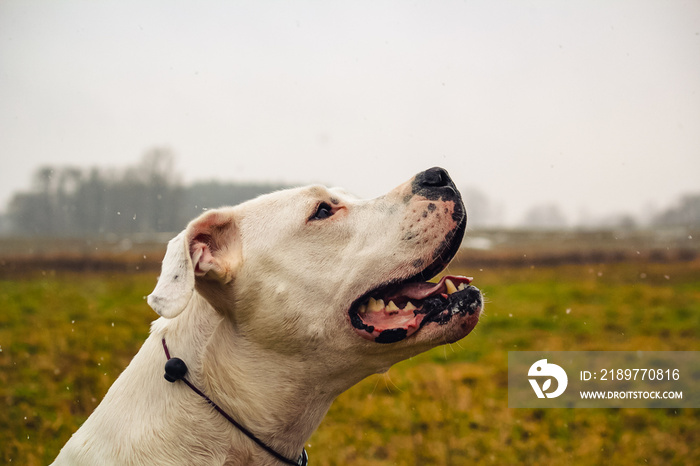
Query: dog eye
{"type": "Point", "coordinates": [324, 210]}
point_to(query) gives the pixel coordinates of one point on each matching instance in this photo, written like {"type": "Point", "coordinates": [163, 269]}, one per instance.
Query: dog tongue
{"type": "Point", "coordinates": [422, 290]}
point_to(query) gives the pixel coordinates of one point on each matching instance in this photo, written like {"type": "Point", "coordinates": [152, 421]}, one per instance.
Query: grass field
{"type": "Point", "coordinates": [65, 337]}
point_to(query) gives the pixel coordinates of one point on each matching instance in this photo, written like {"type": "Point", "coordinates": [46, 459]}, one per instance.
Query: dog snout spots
{"type": "Point", "coordinates": [431, 207]}
{"type": "Point", "coordinates": [418, 264]}
{"type": "Point", "coordinates": [409, 235]}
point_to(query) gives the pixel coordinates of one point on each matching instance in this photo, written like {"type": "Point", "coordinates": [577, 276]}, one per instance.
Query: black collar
{"type": "Point", "coordinates": [175, 369]}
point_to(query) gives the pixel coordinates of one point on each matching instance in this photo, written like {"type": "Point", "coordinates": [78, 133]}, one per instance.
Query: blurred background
{"type": "Point", "coordinates": [572, 129]}
{"type": "Point", "coordinates": [547, 114]}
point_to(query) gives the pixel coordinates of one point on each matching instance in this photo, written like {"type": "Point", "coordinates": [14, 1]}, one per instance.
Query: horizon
{"type": "Point", "coordinates": [593, 106]}
{"type": "Point", "coordinates": [159, 166]}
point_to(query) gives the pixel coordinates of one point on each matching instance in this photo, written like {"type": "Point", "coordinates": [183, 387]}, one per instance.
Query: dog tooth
{"type": "Point", "coordinates": [371, 304]}
{"type": "Point", "coordinates": [392, 307]}
{"type": "Point", "coordinates": [375, 305]}
{"type": "Point", "coordinates": [409, 307]}
{"type": "Point", "coordinates": [362, 309]}
{"type": "Point", "coordinates": [461, 286]}
{"type": "Point", "coordinates": [451, 288]}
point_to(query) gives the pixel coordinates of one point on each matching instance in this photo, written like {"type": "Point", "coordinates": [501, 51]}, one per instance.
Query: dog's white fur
{"type": "Point", "coordinates": [254, 298]}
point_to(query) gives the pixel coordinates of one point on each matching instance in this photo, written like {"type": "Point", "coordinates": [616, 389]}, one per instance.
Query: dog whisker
{"type": "Point", "coordinates": [376, 384]}
{"type": "Point", "coordinates": [387, 377]}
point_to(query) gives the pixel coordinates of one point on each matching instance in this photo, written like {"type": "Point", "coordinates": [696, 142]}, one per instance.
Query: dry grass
{"type": "Point", "coordinates": [64, 338]}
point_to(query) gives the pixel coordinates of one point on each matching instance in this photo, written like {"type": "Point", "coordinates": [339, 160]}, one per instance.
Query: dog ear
{"type": "Point", "coordinates": [208, 251]}
{"type": "Point", "coordinates": [176, 282]}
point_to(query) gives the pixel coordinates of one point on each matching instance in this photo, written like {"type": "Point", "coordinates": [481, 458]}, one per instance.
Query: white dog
{"type": "Point", "coordinates": [277, 306]}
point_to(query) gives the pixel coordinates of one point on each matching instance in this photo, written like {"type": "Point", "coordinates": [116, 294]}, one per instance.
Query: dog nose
{"type": "Point", "coordinates": [434, 182]}
{"type": "Point", "coordinates": [435, 177]}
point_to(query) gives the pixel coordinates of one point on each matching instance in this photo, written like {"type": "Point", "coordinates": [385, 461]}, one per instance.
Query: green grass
{"type": "Point", "coordinates": [64, 339]}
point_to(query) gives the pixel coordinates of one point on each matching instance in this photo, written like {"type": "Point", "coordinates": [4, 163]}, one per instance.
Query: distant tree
{"type": "Point", "coordinates": [148, 197]}
{"type": "Point", "coordinates": [545, 217]}
{"type": "Point", "coordinates": [686, 213]}
{"type": "Point", "coordinates": [90, 211]}
{"type": "Point", "coordinates": [620, 221]}
{"type": "Point", "coordinates": [5, 227]}
{"type": "Point", "coordinates": [27, 213]}
{"type": "Point", "coordinates": [481, 212]}
{"type": "Point", "coordinates": [43, 203]}
{"type": "Point", "coordinates": [68, 201]}
{"type": "Point", "coordinates": [213, 194]}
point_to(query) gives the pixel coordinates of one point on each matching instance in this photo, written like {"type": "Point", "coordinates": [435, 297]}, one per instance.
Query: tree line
{"type": "Point", "coordinates": [148, 197]}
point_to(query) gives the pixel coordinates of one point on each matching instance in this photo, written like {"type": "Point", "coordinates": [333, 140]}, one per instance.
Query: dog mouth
{"type": "Point", "coordinates": [392, 313]}
{"type": "Point", "coordinates": [395, 311]}
{"type": "Point", "coordinates": [398, 308]}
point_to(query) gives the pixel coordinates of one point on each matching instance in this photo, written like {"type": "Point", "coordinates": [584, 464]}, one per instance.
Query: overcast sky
{"type": "Point", "coordinates": [594, 105]}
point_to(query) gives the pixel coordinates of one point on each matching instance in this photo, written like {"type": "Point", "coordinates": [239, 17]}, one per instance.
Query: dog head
{"type": "Point", "coordinates": [316, 271]}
